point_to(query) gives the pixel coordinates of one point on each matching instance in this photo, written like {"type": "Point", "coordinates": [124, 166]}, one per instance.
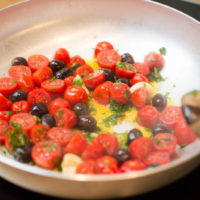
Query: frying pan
{"type": "Point", "coordinates": [134, 26]}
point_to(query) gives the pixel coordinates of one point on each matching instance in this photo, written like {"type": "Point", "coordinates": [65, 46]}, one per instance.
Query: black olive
{"type": "Point", "coordinates": [187, 114]}
{"type": "Point", "coordinates": [152, 166]}
{"type": "Point", "coordinates": [63, 73]}
{"type": "Point", "coordinates": [133, 134]}
{"type": "Point", "coordinates": [39, 109]}
{"type": "Point", "coordinates": [56, 65]}
{"type": "Point", "coordinates": [159, 101]}
{"type": "Point", "coordinates": [109, 75]}
{"type": "Point", "coordinates": [81, 109]}
{"type": "Point", "coordinates": [160, 128]}
{"type": "Point", "coordinates": [87, 123]}
{"type": "Point", "coordinates": [121, 155]}
{"type": "Point", "coordinates": [19, 61]}
{"type": "Point", "coordinates": [23, 154]}
{"type": "Point", "coordinates": [18, 95]}
{"type": "Point", "coordinates": [128, 58]}
{"type": "Point", "coordinates": [124, 80]}
{"type": "Point", "coordinates": [48, 120]}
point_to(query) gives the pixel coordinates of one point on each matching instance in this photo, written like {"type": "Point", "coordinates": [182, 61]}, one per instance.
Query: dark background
{"type": "Point", "coordinates": [185, 189]}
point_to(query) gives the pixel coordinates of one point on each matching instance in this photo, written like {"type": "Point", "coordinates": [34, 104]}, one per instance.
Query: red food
{"type": "Point", "coordinates": [83, 71]}
{"type": "Point", "coordinates": [46, 154]}
{"type": "Point", "coordinates": [139, 78]}
{"type": "Point", "coordinates": [75, 62]}
{"type": "Point", "coordinates": [109, 142]}
{"type": "Point", "coordinates": [154, 59]}
{"type": "Point", "coordinates": [8, 144]}
{"type": "Point", "coordinates": [108, 59]}
{"type": "Point", "coordinates": [68, 81]}
{"type": "Point", "coordinates": [87, 167]}
{"type": "Point", "coordinates": [77, 144]}
{"type": "Point", "coordinates": [7, 85]}
{"type": "Point", "coordinates": [101, 46]}
{"type": "Point", "coordinates": [26, 83]}
{"type": "Point", "coordinates": [3, 130]}
{"type": "Point", "coordinates": [63, 55]}
{"type": "Point", "coordinates": [4, 103]}
{"type": "Point", "coordinates": [132, 165]}
{"type": "Point", "coordinates": [20, 106]}
{"type": "Point", "coordinates": [141, 68]}
{"type": "Point", "coordinates": [125, 70]}
{"type": "Point", "coordinates": [5, 115]}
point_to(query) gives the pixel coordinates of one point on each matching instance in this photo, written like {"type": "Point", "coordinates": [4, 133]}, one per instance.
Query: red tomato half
{"type": "Point", "coordinates": [132, 165]}
{"type": "Point", "coordinates": [63, 55]}
{"type": "Point", "coordinates": [7, 85]}
{"type": "Point", "coordinates": [5, 115]}
{"type": "Point", "coordinates": [26, 83]}
{"type": "Point", "coordinates": [3, 130]}
{"type": "Point", "coordinates": [56, 86]}
{"type": "Point", "coordinates": [4, 103]}
{"type": "Point", "coordinates": [101, 46]}
{"type": "Point", "coordinates": [141, 68]}
{"type": "Point", "coordinates": [125, 70]}
{"type": "Point", "coordinates": [87, 167]}
{"type": "Point", "coordinates": [20, 106]}
{"type": "Point", "coordinates": [75, 62]}
{"type": "Point", "coordinates": [47, 154]}
{"type": "Point", "coordinates": [139, 78]}
{"type": "Point", "coordinates": [83, 71]}
{"type": "Point", "coordinates": [154, 59]}
{"type": "Point", "coordinates": [68, 81]}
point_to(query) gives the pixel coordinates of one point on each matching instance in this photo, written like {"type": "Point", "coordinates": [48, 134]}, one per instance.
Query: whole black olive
{"type": "Point", "coordinates": [109, 75]}
{"type": "Point", "coordinates": [81, 108]}
{"type": "Point", "coordinates": [124, 80]}
{"type": "Point", "coordinates": [152, 166]}
{"type": "Point", "coordinates": [121, 155]}
{"type": "Point", "coordinates": [127, 57]}
{"type": "Point", "coordinates": [160, 128]}
{"type": "Point", "coordinates": [187, 114]}
{"type": "Point", "coordinates": [18, 95]}
{"type": "Point", "coordinates": [159, 101]}
{"type": "Point", "coordinates": [48, 120]}
{"type": "Point", "coordinates": [39, 109]}
{"type": "Point", "coordinates": [56, 65]}
{"type": "Point", "coordinates": [87, 123]}
{"type": "Point", "coordinates": [63, 73]}
{"type": "Point", "coordinates": [133, 134]}
{"type": "Point", "coordinates": [19, 61]}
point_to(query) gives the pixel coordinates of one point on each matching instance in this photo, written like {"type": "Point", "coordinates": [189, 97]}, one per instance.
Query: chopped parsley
{"type": "Point", "coordinates": [5, 130]}
{"type": "Point", "coordinates": [110, 120]}
{"type": "Point", "coordinates": [53, 91]}
{"type": "Point", "coordinates": [41, 131]}
{"type": "Point", "coordinates": [37, 119]}
{"type": "Point", "coordinates": [14, 82]}
{"type": "Point", "coordinates": [124, 65]}
{"type": "Point", "coordinates": [92, 109]}
{"type": "Point", "coordinates": [118, 86]}
{"type": "Point", "coordinates": [182, 146]}
{"type": "Point", "coordinates": [59, 168]}
{"type": "Point", "coordinates": [152, 59]}
{"type": "Point", "coordinates": [8, 113]}
{"type": "Point", "coordinates": [118, 108]}
{"type": "Point", "coordinates": [126, 94]}
{"type": "Point", "coordinates": [53, 79]}
{"type": "Point", "coordinates": [163, 51]}
{"type": "Point", "coordinates": [78, 82]}
{"type": "Point", "coordinates": [156, 76]}
{"type": "Point", "coordinates": [194, 92]}
{"type": "Point", "coordinates": [60, 112]}
{"type": "Point", "coordinates": [75, 66]}
{"type": "Point", "coordinates": [167, 94]}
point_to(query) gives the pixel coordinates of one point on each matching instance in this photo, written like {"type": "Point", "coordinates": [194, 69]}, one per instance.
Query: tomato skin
{"type": "Point", "coordinates": [65, 118]}
{"type": "Point", "coordinates": [5, 104]}
{"type": "Point", "coordinates": [139, 78]}
{"type": "Point", "coordinates": [109, 142]}
{"type": "Point", "coordinates": [36, 62]}
{"type": "Point", "coordinates": [184, 134]}
{"type": "Point", "coordinates": [108, 59]}
{"type": "Point", "coordinates": [5, 115]}
{"type": "Point", "coordinates": [141, 147]}
{"type": "Point", "coordinates": [56, 104]}
{"type": "Point", "coordinates": [8, 145]}
{"type": "Point", "coordinates": [107, 165]}
{"type": "Point", "coordinates": [63, 55]}
{"type": "Point", "coordinates": [3, 130]}
{"type": "Point", "coordinates": [20, 106]}
{"type": "Point", "coordinates": [87, 167]}
{"type": "Point", "coordinates": [75, 94]}
{"type": "Point", "coordinates": [154, 59]}
{"type": "Point", "coordinates": [141, 68]}
{"type": "Point", "coordinates": [46, 154]}
{"type": "Point", "coordinates": [76, 61]}
{"type": "Point", "coordinates": [93, 151]}
{"type": "Point", "coordinates": [125, 73]}
{"type": "Point", "coordinates": [26, 83]}
{"type": "Point", "coordinates": [132, 165]}
{"type": "Point", "coordinates": [101, 46]}
{"type": "Point", "coordinates": [92, 80]}
{"type": "Point", "coordinates": [120, 93]}
{"type": "Point", "coordinates": [42, 74]}
{"type": "Point", "coordinates": [84, 71]}
{"type": "Point", "coordinates": [77, 144]}
{"type": "Point", "coordinates": [7, 85]}
{"type": "Point", "coordinates": [68, 81]}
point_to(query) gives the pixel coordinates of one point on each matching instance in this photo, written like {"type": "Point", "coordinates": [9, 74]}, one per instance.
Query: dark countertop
{"type": "Point", "coordinates": [185, 189]}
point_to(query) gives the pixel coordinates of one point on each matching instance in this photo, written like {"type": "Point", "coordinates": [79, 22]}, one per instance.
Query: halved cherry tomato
{"type": "Point", "coordinates": [83, 71]}
{"type": "Point", "coordinates": [75, 94]}
{"type": "Point", "coordinates": [38, 133]}
{"type": "Point", "coordinates": [92, 80]}
{"type": "Point", "coordinates": [171, 115]}
{"type": "Point", "coordinates": [109, 142]}
{"type": "Point", "coordinates": [141, 147]}
{"type": "Point", "coordinates": [147, 116]}
{"type": "Point", "coordinates": [87, 167]}
{"type": "Point", "coordinates": [20, 106]}
{"type": "Point", "coordinates": [7, 85]}
{"type": "Point", "coordinates": [77, 144]}
{"type": "Point", "coordinates": [8, 144]}
{"type": "Point", "coordinates": [93, 151]}
{"type": "Point", "coordinates": [141, 68]}
{"type": "Point", "coordinates": [125, 70]}
{"type": "Point", "coordinates": [107, 165]}
{"type": "Point", "coordinates": [184, 134]}
{"type": "Point", "coordinates": [26, 83]}
{"type": "Point", "coordinates": [108, 59]}
{"type": "Point", "coordinates": [63, 55]}
{"type": "Point", "coordinates": [132, 165]}
{"type": "Point", "coordinates": [75, 62]}
{"type": "Point", "coordinates": [38, 95]}
{"type": "Point", "coordinates": [4, 103]}
{"type": "Point", "coordinates": [5, 115]}
{"type": "Point", "coordinates": [60, 135]}
{"type": "Point", "coordinates": [42, 74]}
{"type": "Point", "coordinates": [68, 81]}
{"type": "Point", "coordinates": [65, 118]}
{"type": "Point", "coordinates": [101, 46]}
{"type": "Point", "coordinates": [120, 93]}
{"type": "Point", "coordinates": [47, 154]}
{"type": "Point", "coordinates": [56, 104]}
{"type": "Point", "coordinates": [4, 127]}
{"type": "Point", "coordinates": [138, 78]}
{"type": "Point", "coordinates": [19, 71]}
{"type": "Point", "coordinates": [154, 59]}
{"type": "Point", "coordinates": [165, 142]}
{"type": "Point", "coordinates": [25, 120]}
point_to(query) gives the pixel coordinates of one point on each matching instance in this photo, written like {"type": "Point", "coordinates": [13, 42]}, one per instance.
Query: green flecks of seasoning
{"type": "Point", "coordinates": [182, 146]}
{"type": "Point", "coordinates": [5, 130]}
{"type": "Point", "coordinates": [75, 65]}
{"type": "Point", "coordinates": [53, 79]}
{"type": "Point", "coordinates": [194, 92]}
{"type": "Point", "coordinates": [14, 82]}
{"type": "Point", "coordinates": [163, 51]}
{"type": "Point", "coordinates": [121, 65]}
{"type": "Point", "coordinates": [167, 94]}
{"type": "Point", "coordinates": [92, 109]}
{"type": "Point", "coordinates": [37, 119]}
{"type": "Point", "coordinates": [59, 168]}
{"type": "Point", "coordinates": [41, 131]}
{"type": "Point", "coordinates": [156, 76]}
{"type": "Point", "coordinates": [60, 112]}
{"type": "Point", "coordinates": [126, 94]}
{"type": "Point", "coordinates": [165, 139]}
{"type": "Point", "coordinates": [110, 120]}
{"type": "Point", "coordinates": [118, 108]}
{"type": "Point", "coordinates": [118, 86]}
{"type": "Point", "coordinates": [53, 91]}
{"type": "Point", "coordinates": [138, 119]}
{"type": "Point", "coordinates": [152, 59]}
{"type": "Point", "coordinates": [78, 82]}
{"type": "Point", "coordinates": [8, 113]}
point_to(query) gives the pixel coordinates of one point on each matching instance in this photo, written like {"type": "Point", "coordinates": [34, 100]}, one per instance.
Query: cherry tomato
{"type": "Point", "coordinates": [109, 142]}
{"type": "Point", "coordinates": [75, 62]}
{"type": "Point", "coordinates": [141, 68]}
{"type": "Point", "coordinates": [26, 83]}
{"type": "Point", "coordinates": [87, 167]}
{"type": "Point", "coordinates": [138, 78]}
{"type": "Point", "coordinates": [19, 71]}
{"type": "Point", "coordinates": [20, 106]}
{"type": "Point", "coordinates": [125, 70]}
{"type": "Point", "coordinates": [92, 80]}
{"type": "Point", "coordinates": [5, 115]}
{"type": "Point", "coordinates": [107, 165]}
{"type": "Point", "coordinates": [36, 62]}
{"type": "Point", "coordinates": [120, 93]}
{"type": "Point", "coordinates": [108, 59]}
{"type": "Point", "coordinates": [46, 154]}
{"type": "Point", "coordinates": [7, 85]}
{"type": "Point", "coordinates": [75, 94]}
{"type": "Point", "coordinates": [132, 165]}
{"type": "Point", "coordinates": [8, 144]}
{"type": "Point", "coordinates": [65, 118]}
{"type": "Point", "coordinates": [57, 104]}
{"type": "Point", "coordinates": [183, 134]}
{"type": "Point", "coordinates": [63, 55]}
{"type": "Point", "coordinates": [101, 46]}
{"type": "Point", "coordinates": [68, 81]}
{"type": "Point", "coordinates": [4, 127]}
{"type": "Point", "coordinates": [154, 59]}
{"type": "Point", "coordinates": [77, 144]}
{"type": "Point", "coordinates": [4, 103]}
{"type": "Point", "coordinates": [83, 71]}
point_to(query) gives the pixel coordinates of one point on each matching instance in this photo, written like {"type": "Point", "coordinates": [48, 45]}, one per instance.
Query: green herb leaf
{"type": "Point", "coordinates": [14, 82]}
{"type": "Point", "coordinates": [92, 109]}
{"type": "Point", "coordinates": [152, 59]}
{"type": "Point", "coordinates": [126, 94]}
{"type": "Point", "coordinates": [156, 76]}
{"type": "Point", "coordinates": [41, 131]}
{"type": "Point", "coordinates": [37, 119]}
{"type": "Point", "coordinates": [118, 108]}
{"type": "Point", "coordinates": [78, 82]}
{"type": "Point", "coordinates": [118, 86]}
{"type": "Point", "coordinates": [8, 113]}
{"type": "Point", "coordinates": [121, 65]}
{"type": "Point", "coordinates": [110, 120]}
{"type": "Point", "coordinates": [60, 112]}
{"type": "Point", "coordinates": [53, 91]}
{"type": "Point", "coordinates": [163, 51]}
{"type": "Point", "coordinates": [53, 79]}
{"type": "Point", "coordinates": [167, 94]}
{"type": "Point", "coordinates": [75, 66]}
{"type": "Point", "coordinates": [182, 146]}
